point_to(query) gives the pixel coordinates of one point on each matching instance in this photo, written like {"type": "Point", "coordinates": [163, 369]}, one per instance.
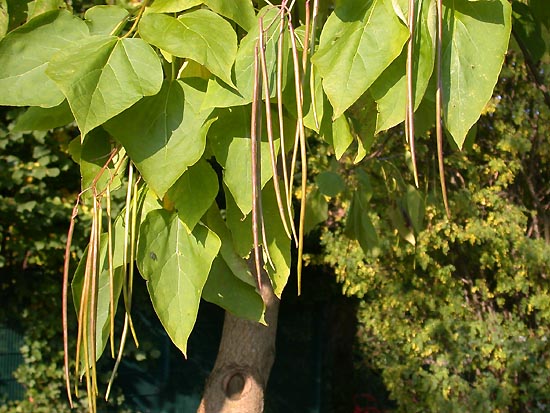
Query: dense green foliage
{"type": "Point", "coordinates": [456, 313]}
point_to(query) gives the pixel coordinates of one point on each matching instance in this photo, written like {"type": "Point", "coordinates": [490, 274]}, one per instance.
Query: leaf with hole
{"type": "Point", "coordinates": [175, 264]}
{"type": "Point", "coordinates": [107, 20]}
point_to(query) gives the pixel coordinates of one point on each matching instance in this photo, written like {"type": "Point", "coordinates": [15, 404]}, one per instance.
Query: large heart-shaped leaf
{"type": "Point", "coordinates": [25, 54]}
{"type": "Point", "coordinates": [200, 35]}
{"type": "Point", "coordinates": [101, 76]}
{"type": "Point", "coordinates": [164, 134]}
{"type": "Point", "coordinates": [472, 59]}
{"type": "Point", "coordinates": [175, 264]}
{"type": "Point", "coordinates": [359, 41]}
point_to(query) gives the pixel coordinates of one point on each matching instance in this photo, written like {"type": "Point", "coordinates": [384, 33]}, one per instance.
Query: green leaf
{"type": "Point", "coordinates": [390, 89]}
{"type": "Point", "coordinates": [330, 183]}
{"type": "Point", "coordinates": [200, 35]}
{"type": "Point", "coordinates": [230, 141]}
{"type": "Point", "coordinates": [173, 6]}
{"type": "Point", "coordinates": [364, 117]}
{"type": "Point", "coordinates": [220, 95]}
{"type": "Point", "coordinates": [37, 118]}
{"type": "Point", "coordinates": [92, 155]}
{"type": "Point", "coordinates": [232, 294]}
{"type": "Point", "coordinates": [527, 30]}
{"type": "Point", "coordinates": [103, 75]}
{"type": "Point", "coordinates": [316, 209]}
{"type": "Point", "coordinates": [25, 54]}
{"type": "Point", "coordinates": [38, 7]}
{"type": "Point", "coordinates": [240, 11]}
{"type": "Point", "coordinates": [359, 226]}
{"type": "Point", "coordinates": [103, 313]}
{"type": "Point", "coordinates": [194, 192]}
{"type": "Point", "coordinates": [105, 19]}
{"type": "Point", "coordinates": [414, 201]}
{"type": "Point", "coordinates": [278, 244]}
{"type": "Point", "coordinates": [541, 11]}
{"type": "Point", "coordinates": [238, 265]}
{"type": "Point", "coordinates": [402, 223]}
{"type": "Point", "coordinates": [175, 264]}
{"type": "Point", "coordinates": [17, 11]}
{"type": "Point", "coordinates": [164, 134]}
{"type": "Point", "coordinates": [471, 59]}
{"type": "Point", "coordinates": [341, 136]}
{"type": "Point", "coordinates": [359, 41]}
{"type": "Point", "coordinates": [4, 18]}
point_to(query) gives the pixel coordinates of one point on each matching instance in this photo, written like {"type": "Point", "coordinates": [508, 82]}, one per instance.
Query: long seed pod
{"type": "Point", "coordinates": [269, 124]}
{"type": "Point", "coordinates": [409, 116]}
{"type": "Point", "coordinates": [302, 139]}
{"type": "Point", "coordinates": [255, 124]}
{"type": "Point", "coordinates": [287, 183]}
{"type": "Point", "coordinates": [438, 105]}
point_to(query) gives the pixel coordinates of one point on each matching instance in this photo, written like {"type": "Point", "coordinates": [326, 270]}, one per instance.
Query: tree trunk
{"type": "Point", "coordinates": [245, 357]}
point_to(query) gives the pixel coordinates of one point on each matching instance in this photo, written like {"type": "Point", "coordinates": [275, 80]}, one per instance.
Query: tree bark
{"type": "Point", "coordinates": [247, 351]}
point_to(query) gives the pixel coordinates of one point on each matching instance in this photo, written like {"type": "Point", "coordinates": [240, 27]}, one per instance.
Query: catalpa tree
{"type": "Point", "coordinates": [199, 111]}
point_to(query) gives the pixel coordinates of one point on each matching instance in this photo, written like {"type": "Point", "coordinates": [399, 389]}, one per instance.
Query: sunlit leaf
{"type": "Point", "coordinates": [220, 95]}
{"type": "Point", "coordinates": [173, 6]}
{"type": "Point", "coordinates": [390, 89]}
{"type": "Point", "coordinates": [471, 59]}
{"type": "Point", "coordinates": [38, 7]}
{"type": "Point", "coordinates": [105, 19]}
{"type": "Point", "coordinates": [4, 18]}
{"type": "Point", "coordinates": [358, 42]}
{"type": "Point", "coordinates": [103, 75]}
{"type": "Point", "coordinates": [240, 11]}
{"type": "Point", "coordinates": [200, 35]}
{"type": "Point", "coordinates": [26, 52]}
